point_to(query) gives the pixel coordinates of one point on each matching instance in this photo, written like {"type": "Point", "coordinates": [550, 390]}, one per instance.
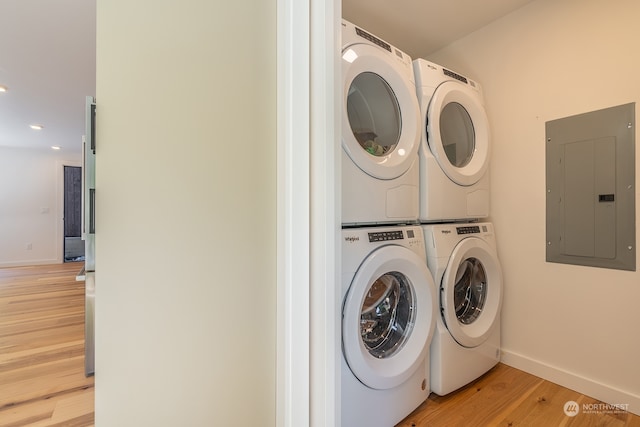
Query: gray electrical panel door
{"type": "Point", "coordinates": [590, 174]}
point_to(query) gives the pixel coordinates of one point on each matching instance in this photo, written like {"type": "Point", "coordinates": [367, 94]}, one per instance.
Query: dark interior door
{"type": "Point", "coordinates": [72, 201]}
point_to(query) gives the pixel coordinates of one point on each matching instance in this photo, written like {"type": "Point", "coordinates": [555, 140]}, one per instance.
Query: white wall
{"type": "Point", "coordinates": [186, 213]}
{"type": "Point", "coordinates": [574, 325]}
{"type": "Point", "coordinates": [31, 205]}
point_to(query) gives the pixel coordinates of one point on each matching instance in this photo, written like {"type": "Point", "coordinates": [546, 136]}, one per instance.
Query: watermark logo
{"type": "Point", "coordinates": [571, 408]}
{"type": "Point", "coordinates": [605, 408]}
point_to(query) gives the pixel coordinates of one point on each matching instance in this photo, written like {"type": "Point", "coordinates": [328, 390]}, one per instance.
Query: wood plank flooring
{"type": "Point", "coordinates": [508, 397]}
{"type": "Point", "coordinates": [42, 380]}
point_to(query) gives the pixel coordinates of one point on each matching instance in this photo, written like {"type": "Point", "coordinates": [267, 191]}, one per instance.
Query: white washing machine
{"type": "Point", "coordinates": [455, 149]}
{"type": "Point", "coordinates": [466, 342]}
{"type": "Point", "coordinates": [380, 131]}
{"type": "Point", "coordinates": [388, 319]}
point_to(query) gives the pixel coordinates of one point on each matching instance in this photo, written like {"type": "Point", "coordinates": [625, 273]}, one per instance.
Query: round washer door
{"type": "Point", "coordinates": [381, 116]}
{"type": "Point", "coordinates": [458, 132]}
{"type": "Point", "coordinates": [471, 292]}
{"type": "Point", "coordinates": [388, 317]}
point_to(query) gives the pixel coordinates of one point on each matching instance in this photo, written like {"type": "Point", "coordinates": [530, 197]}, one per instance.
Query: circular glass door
{"type": "Point", "coordinates": [388, 317]}
{"type": "Point", "coordinates": [374, 114]}
{"type": "Point", "coordinates": [471, 292]}
{"type": "Point", "coordinates": [458, 132]}
{"type": "Point", "coordinates": [381, 116]}
{"type": "Point", "coordinates": [388, 314]}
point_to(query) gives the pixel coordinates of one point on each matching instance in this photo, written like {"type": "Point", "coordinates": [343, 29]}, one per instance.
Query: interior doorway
{"type": "Point", "coordinates": [73, 243]}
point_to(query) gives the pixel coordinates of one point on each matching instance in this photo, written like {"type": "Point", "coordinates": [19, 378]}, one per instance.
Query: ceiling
{"type": "Point", "coordinates": [48, 65]}
{"type": "Point", "coordinates": [421, 27]}
{"type": "Point", "coordinates": [48, 55]}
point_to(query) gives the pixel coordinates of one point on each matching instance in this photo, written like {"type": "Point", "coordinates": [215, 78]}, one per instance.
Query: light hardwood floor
{"type": "Point", "coordinates": [42, 380]}
{"type": "Point", "coordinates": [508, 397]}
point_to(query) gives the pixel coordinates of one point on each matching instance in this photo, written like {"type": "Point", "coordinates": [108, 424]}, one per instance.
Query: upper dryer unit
{"type": "Point", "coordinates": [380, 131]}
{"type": "Point", "coordinates": [455, 149]}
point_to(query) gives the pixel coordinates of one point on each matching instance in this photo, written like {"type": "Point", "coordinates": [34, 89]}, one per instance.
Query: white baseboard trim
{"type": "Point", "coordinates": [29, 262]}
{"type": "Point", "coordinates": [583, 385]}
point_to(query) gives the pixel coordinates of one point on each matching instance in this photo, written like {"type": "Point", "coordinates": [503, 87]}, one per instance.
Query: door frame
{"type": "Point", "coordinates": [308, 218]}
{"type": "Point", "coordinates": [60, 164]}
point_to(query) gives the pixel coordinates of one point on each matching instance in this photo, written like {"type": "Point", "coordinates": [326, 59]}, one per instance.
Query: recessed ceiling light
{"type": "Point", "coordinates": [55, 147]}
{"type": "Point", "coordinates": [3, 88]}
{"type": "Point", "coordinates": [36, 127]}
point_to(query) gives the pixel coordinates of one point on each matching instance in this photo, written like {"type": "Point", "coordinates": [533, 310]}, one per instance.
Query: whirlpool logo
{"type": "Point", "coordinates": [351, 239]}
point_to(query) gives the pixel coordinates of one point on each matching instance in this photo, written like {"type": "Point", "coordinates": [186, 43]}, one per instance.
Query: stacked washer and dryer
{"type": "Point", "coordinates": [461, 250]}
{"type": "Point", "coordinates": [421, 281]}
{"type": "Point", "coordinates": [389, 300]}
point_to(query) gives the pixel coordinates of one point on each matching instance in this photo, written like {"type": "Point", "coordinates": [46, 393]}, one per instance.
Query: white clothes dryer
{"type": "Point", "coordinates": [455, 148]}
{"type": "Point", "coordinates": [388, 320]}
{"type": "Point", "coordinates": [466, 343]}
{"type": "Point", "coordinates": [380, 131]}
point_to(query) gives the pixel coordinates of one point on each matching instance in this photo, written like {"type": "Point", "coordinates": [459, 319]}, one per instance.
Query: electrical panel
{"type": "Point", "coordinates": [590, 185]}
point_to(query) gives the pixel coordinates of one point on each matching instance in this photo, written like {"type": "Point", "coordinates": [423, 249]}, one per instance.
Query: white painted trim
{"type": "Point", "coordinates": [29, 262]}
{"type": "Point", "coordinates": [325, 101]}
{"type": "Point", "coordinates": [293, 234]}
{"type": "Point", "coordinates": [308, 368]}
{"type": "Point", "coordinates": [573, 381]}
